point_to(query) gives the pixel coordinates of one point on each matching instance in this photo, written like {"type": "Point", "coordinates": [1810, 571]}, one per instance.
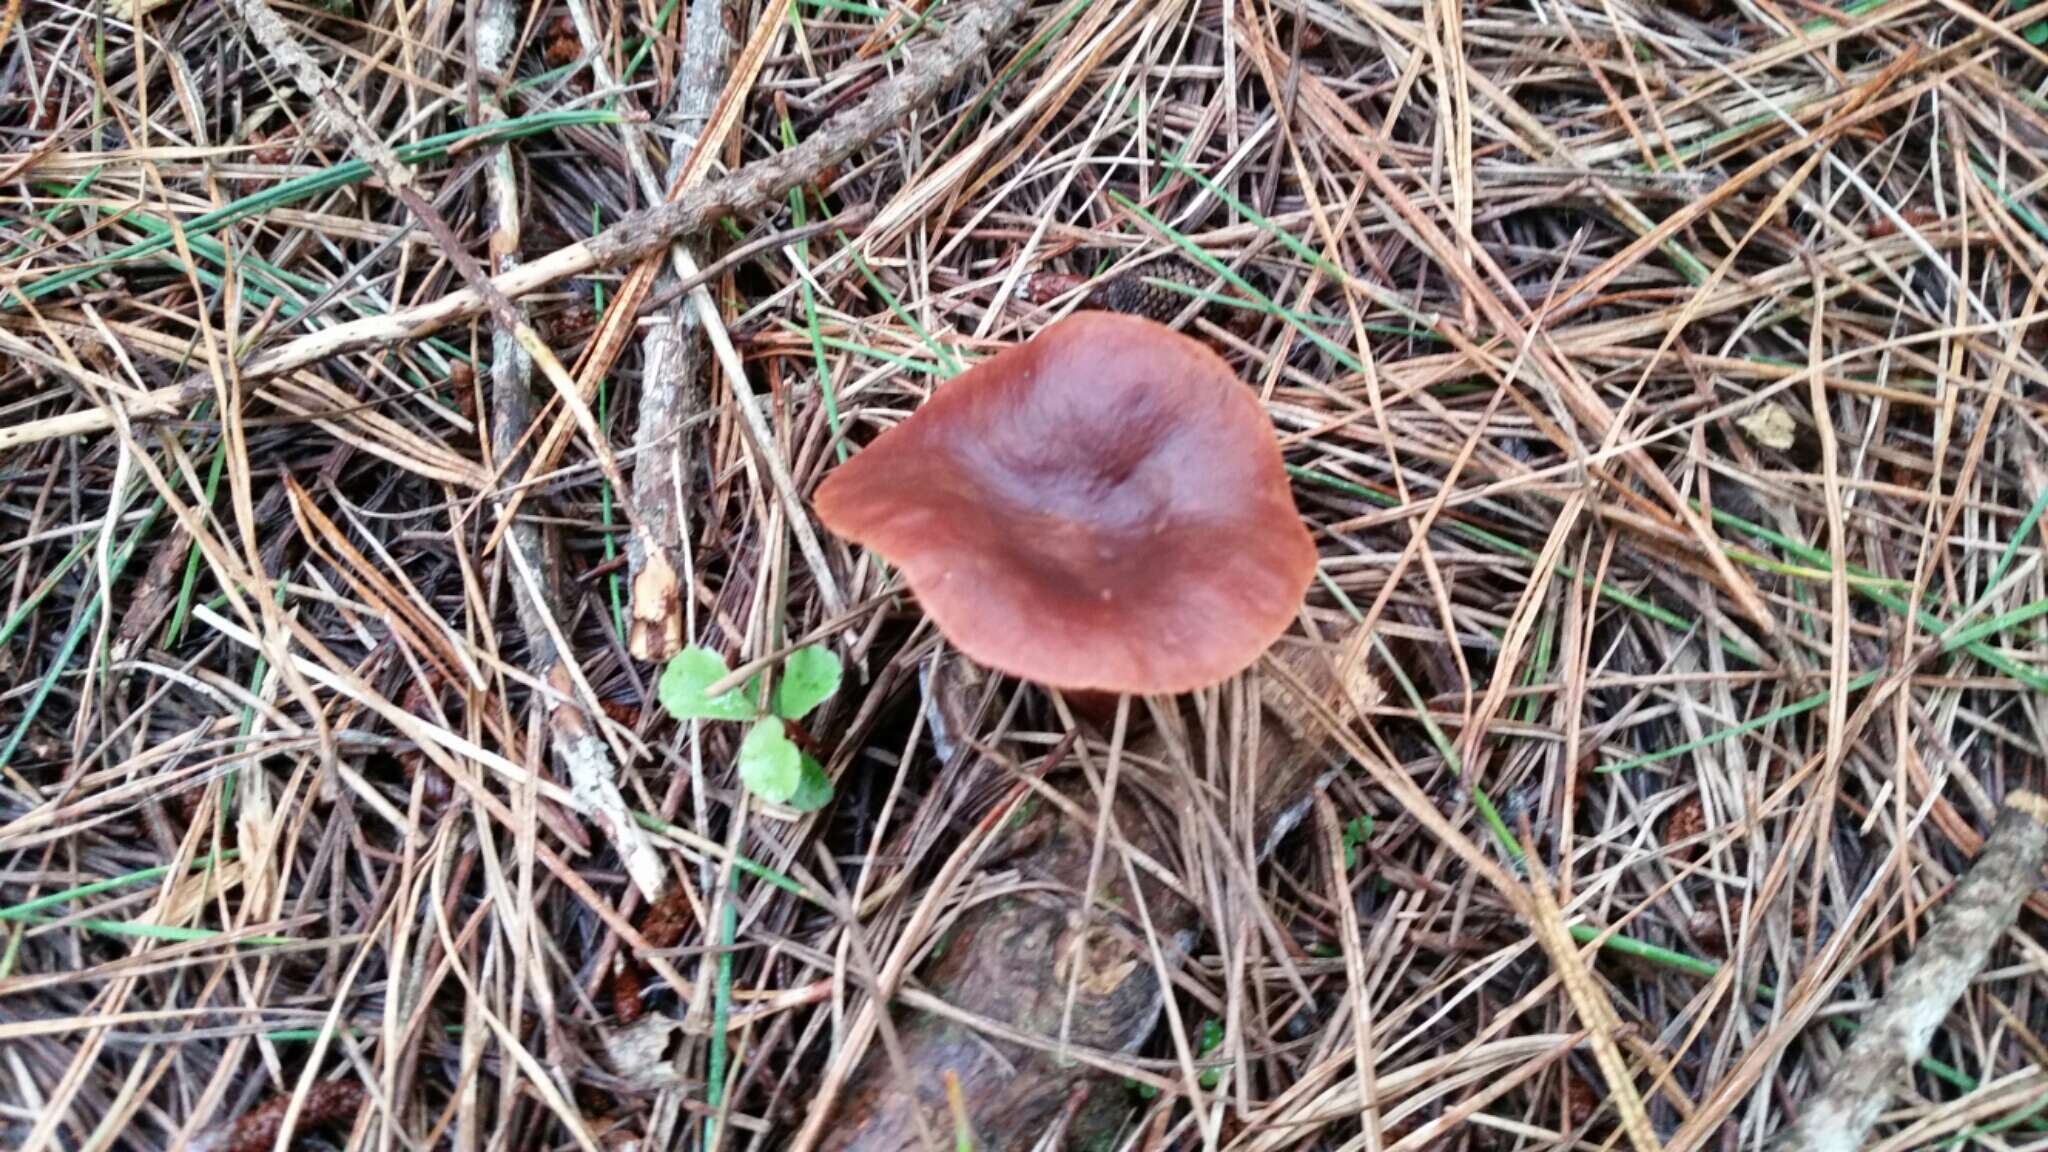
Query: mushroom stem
{"type": "Point", "coordinates": [991, 1006]}
{"type": "Point", "coordinates": [1092, 707]}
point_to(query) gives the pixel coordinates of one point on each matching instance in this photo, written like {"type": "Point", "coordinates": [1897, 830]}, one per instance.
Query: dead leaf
{"type": "Point", "coordinates": [327, 1103]}
{"type": "Point", "coordinates": [1769, 425]}
{"type": "Point", "coordinates": [641, 1053]}
{"type": "Point", "coordinates": [626, 992]}
{"type": "Point", "coordinates": [195, 892]}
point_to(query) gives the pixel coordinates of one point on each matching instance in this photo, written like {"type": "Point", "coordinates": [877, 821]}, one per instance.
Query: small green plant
{"type": "Point", "coordinates": [1357, 831]}
{"type": "Point", "coordinates": [770, 763]}
{"type": "Point", "coordinates": [1207, 1040]}
{"type": "Point", "coordinates": [2037, 32]}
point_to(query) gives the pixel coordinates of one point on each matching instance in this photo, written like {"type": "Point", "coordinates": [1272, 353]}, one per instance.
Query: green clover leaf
{"type": "Point", "coordinates": [809, 677]}
{"type": "Point", "coordinates": [813, 789]}
{"type": "Point", "coordinates": [1357, 831]}
{"type": "Point", "coordinates": [769, 763]}
{"type": "Point", "coordinates": [683, 684]}
{"type": "Point", "coordinates": [1207, 1040]}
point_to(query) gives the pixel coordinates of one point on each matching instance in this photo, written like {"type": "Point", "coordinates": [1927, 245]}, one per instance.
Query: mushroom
{"type": "Point", "coordinates": [1101, 509]}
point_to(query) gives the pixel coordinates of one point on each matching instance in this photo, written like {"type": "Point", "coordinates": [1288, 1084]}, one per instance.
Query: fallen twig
{"type": "Point", "coordinates": [579, 752]}
{"type": "Point", "coordinates": [277, 39]}
{"type": "Point", "coordinates": [670, 393]}
{"type": "Point", "coordinates": [1896, 1034]}
{"type": "Point", "coordinates": [515, 349]}
{"type": "Point", "coordinates": [647, 232]}
{"type": "Point", "coordinates": [1595, 1011]}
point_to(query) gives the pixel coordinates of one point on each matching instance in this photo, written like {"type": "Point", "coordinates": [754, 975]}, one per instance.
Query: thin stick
{"type": "Point", "coordinates": [750, 189]}
{"type": "Point", "coordinates": [578, 749]}
{"type": "Point", "coordinates": [277, 39]}
{"type": "Point", "coordinates": [670, 392]}
{"type": "Point", "coordinates": [1595, 1012]}
{"type": "Point", "coordinates": [1984, 904]}
{"type": "Point", "coordinates": [516, 348]}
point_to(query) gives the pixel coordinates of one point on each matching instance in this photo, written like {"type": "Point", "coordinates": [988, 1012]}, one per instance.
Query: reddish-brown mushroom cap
{"type": "Point", "coordinates": [1101, 508]}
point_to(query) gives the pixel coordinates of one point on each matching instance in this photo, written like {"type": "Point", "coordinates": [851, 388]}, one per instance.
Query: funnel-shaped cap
{"type": "Point", "coordinates": [1103, 507]}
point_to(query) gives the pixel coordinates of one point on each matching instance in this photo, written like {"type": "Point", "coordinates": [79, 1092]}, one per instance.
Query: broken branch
{"type": "Point", "coordinates": [1985, 903]}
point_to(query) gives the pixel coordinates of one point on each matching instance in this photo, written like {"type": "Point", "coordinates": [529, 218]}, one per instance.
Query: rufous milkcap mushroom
{"type": "Point", "coordinates": [1100, 509]}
